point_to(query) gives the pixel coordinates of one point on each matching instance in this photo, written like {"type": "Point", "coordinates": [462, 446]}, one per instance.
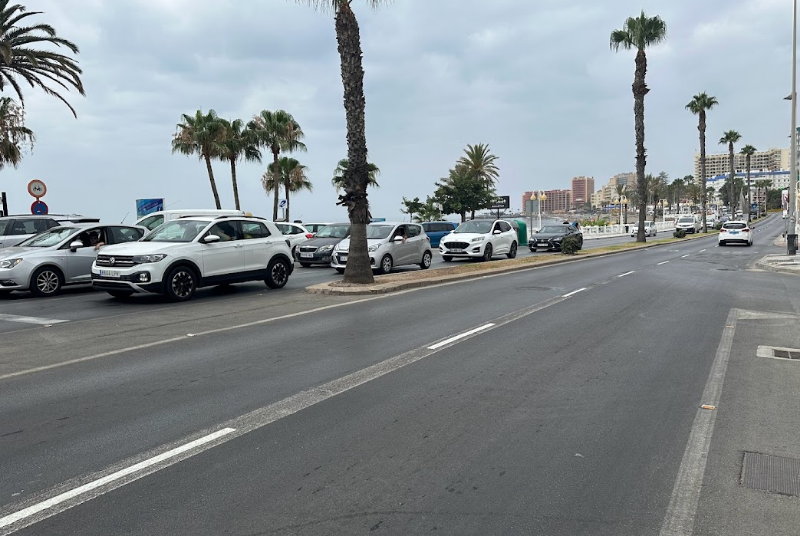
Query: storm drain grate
{"type": "Point", "coordinates": [784, 354]}
{"type": "Point", "coordinates": [779, 353]}
{"type": "Point", "coordinates": [775, 474]}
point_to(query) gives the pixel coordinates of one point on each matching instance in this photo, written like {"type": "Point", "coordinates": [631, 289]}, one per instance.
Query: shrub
{"type": "Point", "coordinates": [570, 245]}
{"type": "Point", "coordinates": [718, 226]}
{"type": "Point", "coordinates": [679, 233]}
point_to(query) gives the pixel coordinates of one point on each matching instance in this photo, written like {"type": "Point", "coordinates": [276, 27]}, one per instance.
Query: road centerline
{"type": "Point", "coordinates": [574, 292]}
{"type": "Point", "coordinates": [627, 273]}
{"type": "Point", "coordinates": [460, 336]}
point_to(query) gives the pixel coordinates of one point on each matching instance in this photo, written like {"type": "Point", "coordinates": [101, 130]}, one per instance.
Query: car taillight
{"type": "Point", "coordinates": [745, 230]}
{"type": "Point", "coordinates": [309, 235]}
{"type": "Point", "coordinates": [723, 230]}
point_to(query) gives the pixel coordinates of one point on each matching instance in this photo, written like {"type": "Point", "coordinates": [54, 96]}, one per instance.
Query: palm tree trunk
{"type": "Point", "coordinates": [275, 183]}
{"type": "Point", "coordinates": [356, 177]}
{"type": "Point", "coordinates": [749, 201]}
{"type": "Point", "coordinates": [213, 182]}
{"type": "Point", "coordinates": [463, 216]}
{"type": "Point", "coordinates": [286, 187]}
{"type": "Point", "coordinates": [731, 187]}
{"type": "Point", "coordinates": [235, 184]}
{"type": "Point", "coordinates": [702, 128]}
{"type": "Point", "coordinates": [639, 91]}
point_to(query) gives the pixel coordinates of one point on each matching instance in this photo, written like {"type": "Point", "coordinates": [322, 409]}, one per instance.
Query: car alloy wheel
{"type": "Point", "coordinates": [427, 258]}
{"type": "Point", "coordinates": [46, 282]}
{"type": "Point", "coordinates": [487, 253]}
{"type": "Point", "coordinates": [513, 251]}
{"type": "Point", "coordinates": [182, 284]}
{"type": "Point", "coordinates": [277, 274]}
{"type": "Point", "coordinates": [386, 264]}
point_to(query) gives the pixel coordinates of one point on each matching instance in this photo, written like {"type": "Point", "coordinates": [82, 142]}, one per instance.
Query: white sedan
{"type": "Point", "coordinates": [735, 232]}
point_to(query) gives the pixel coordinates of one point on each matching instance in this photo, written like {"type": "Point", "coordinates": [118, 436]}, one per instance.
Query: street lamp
{"type": "Point", "coordinates": [542, 199]}
{"type": "Point", "coordinates": [791, 213]}
{"type": "Point", "coordinates": [621, 201]}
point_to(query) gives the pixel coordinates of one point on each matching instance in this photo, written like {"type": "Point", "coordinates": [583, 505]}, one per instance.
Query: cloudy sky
{"type": "Point", "coordinates": [533, 78]}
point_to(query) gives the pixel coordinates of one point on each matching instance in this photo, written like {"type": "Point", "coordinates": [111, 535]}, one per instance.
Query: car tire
{"type": "Point", "coordinates": [4, 293]}
{"type": "Point", "coordinates": [533, 250]}
{"type": "Point", "coordinates": [305, 265]}
{"type": "Point", "coordinates": [447, 258]}
{"type": "Point", "coordinates": [722, 244]}
{"type": "Point", "coordinates": [46, 281]}
{"type": "Point", "coordinates": [181, 284]}
{"type": "Point", "coordinates": [277, 274]}
{"type": "Point", "coordinates": [580, 244]}
{"type": "Point", "coordinates": [340, 270]}
{"type": "Point", "coordinates": [513, 251]}
{"type": "Point", "coordinates": [487, 253]}
{"type": "Point", "coordinates": [386, 264]}
{"type": "Point", "coordinates": [427, 259]}
{"type": "Point", "coordinates": [120, 294]}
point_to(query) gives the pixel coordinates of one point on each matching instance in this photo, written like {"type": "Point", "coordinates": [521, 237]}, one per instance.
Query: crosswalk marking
{"type": "Point", "coordinates": [31, 320]}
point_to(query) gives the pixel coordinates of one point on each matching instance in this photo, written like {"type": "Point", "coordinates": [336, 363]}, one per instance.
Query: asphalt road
{"type": "Point", "coordinates": [557, 400]}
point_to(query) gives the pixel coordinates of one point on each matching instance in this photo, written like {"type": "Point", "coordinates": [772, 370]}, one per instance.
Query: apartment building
{"type": "Point", "coordinates": [557, 201]}
{"type": "Point", "coordinates": [719, 163]}
{"type": "Point", "coordinates": [608, 191]}
{"type": "Point", "coordinates": [582, 189]}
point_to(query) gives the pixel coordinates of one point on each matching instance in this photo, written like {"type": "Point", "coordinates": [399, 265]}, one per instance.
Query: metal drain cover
{"type": "Point", "coordinates": [775, 474]}
{"type": "Point", "coordinates": [778, 353]}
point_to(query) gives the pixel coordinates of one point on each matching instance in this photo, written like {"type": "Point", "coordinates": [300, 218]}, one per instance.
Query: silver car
{"type": "Point", "coordinates": [389, 245]}
{"type": "Point", "coordinates": [16, 229]}
{"type": "Point", "coordinates": [59, 256]}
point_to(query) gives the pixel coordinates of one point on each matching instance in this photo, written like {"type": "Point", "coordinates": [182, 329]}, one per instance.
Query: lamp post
{"type": "Point", "coordinates": [792, 209]}
{"type": "Point", "coordinates": [542, 199]}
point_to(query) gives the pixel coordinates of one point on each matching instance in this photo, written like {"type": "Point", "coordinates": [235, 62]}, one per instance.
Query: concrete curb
{"type": "Point", "coordinates": [396, 286]}
{"type": "Point", "coordinates": [769, 264]}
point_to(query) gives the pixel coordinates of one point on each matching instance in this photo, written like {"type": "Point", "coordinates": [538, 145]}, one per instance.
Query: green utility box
{"type": "Point", "coordinates": [522, 232]}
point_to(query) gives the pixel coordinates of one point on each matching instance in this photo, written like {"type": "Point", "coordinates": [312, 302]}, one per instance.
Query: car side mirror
{"type": "Point", "coordinates": [397, 239]}
{"type": "Point", "coordinates": [497, 231]}
{"type": "Point", "coordinates": [210, 239]}
{"type": "Point", "coordinates": [75, 246]}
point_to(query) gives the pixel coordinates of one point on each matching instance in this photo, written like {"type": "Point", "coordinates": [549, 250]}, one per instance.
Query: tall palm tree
{"type": "Point", "coordinates": [291, 175]}
{"type": "Point", "coordinates": [748, 151]}
{"type": "Point", "coordinates": [341, 169]}
{"type": "Point", "coordinates": [356, 179]}
{"type": "Point", "coordinates": [699, 105]}
{"type": "Point", "coordinates": [278, 132]}
{"type": "Point", "coordinates": [640, 33]}
{"type": "Point", "coordinates": [15, 137]}
{"type": "Point", "coordinates": [730, 137]}
{"type": "Point", "coordinates": [23, 58]}
{"type": "Point", "coordinates": [202, 135]}
{"type": "Point", "coordinates": [239, 143]}
{"type": "Point", "coordinates": [765, 184]}
{"type": "Point", "coordinates": [480, 162]}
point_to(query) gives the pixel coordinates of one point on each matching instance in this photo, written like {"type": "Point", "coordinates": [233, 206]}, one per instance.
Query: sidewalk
{"type": "Point", "coordinates": [780, 262]}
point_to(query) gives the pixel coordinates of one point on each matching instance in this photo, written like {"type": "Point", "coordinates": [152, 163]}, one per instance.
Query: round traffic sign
{"type": "Point", "coordinates": [37, 188]}
{"type": "Point", "coordinates": [39, 207]}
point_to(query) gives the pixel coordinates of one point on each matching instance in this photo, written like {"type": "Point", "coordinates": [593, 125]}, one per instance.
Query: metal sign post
{"type": "Point", "coordinates": [3, 204]}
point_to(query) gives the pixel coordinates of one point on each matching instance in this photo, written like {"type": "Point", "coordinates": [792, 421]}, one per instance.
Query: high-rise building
{"type": "Point", "coordinates": [557, 201]}
{"type": "Point", "coordinates": [608, 191]}
{"type": "Point", "coordinates": [582, 189]}
{"type": "Point", "coordinates": [719, 163]}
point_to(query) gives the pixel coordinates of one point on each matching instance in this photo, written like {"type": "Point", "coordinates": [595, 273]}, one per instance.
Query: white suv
{"type": "Point", "coordinates": [182, 255]}
{"type": "Point", "coordinates": [480, 239]}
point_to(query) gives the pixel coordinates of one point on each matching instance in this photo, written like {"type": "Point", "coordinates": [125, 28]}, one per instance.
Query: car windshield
{"type": "Point", "coordinates": [552, 229]}
{"type": "Point", "coordinates": [3, 225]}
{"type": "Point", "coordinates": [48, 238]}
{"type": "Point", "coordinates": [375, 232]}
{"type": "Point", "coordinates": [479, 227]}
{"type": "Point", "coordinates": [177, 231]}
{"type": "Point", "coordinates": [334, 231]}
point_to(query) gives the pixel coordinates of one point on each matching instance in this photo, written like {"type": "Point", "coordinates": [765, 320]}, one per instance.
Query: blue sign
{"type": "Point", "coordinates": [373, 220]}
{"type": "Point", "coordinates": [39, 208]}
{"type": "Point", "coordinates": [148, 206]}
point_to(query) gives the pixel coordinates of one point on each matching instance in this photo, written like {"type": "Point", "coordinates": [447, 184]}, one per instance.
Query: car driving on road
{"type": "Point", "coordinates": [389, 245]}
{"type": "Point", "coordinates": [735, 232]}
{"type": "Point", "coordinates": [183, 255]}
{"type": "Point", "coordinates": [58, 257]}
{"type": "Point", "coordinates": [479, 239]}
{"type": "Point", "coordinates": [318, 250]}
{"type": "Point", "coordinates": [16, 229]}
{"type": "Point", "coordinates": [550, 237]}
{"type": "Point", "coordinates": [649, 229]}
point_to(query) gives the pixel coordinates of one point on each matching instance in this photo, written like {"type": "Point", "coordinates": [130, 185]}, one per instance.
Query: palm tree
{"type": "Point", "coordinates": [356, 179]}
{"type": "Point", "coordinates": [291, 175]}
{"type": "Point", "coordinates": [765, 184]}
{"type": "Point", "coordinates": [640, 33]}
{"type": "Point", "coordinates": [341, 169]}
{"type": "Point", "coordinates": [278, 132]}
{"type": "Point", "coordinates": [479, 160]}
{"type": "Point", "coordinates": [621, 190]}
{"type": "Point", "coordinates": [15, 137]}
{"type": "Point", "coordinates": [748, 151]}
{"type": "Point", "coordinates": [202, 135]}
{"type": "Point", "coordinates": [699, 105]}
{"type": "Point", "coordinates": [239, 143]}
{"type": "Point", "coordinates": [730, 137]}
{"type": "Point", "coordinates": [22, 57]}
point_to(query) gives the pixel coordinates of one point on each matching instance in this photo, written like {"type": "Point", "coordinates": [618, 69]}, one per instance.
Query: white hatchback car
{"type": "Point", "coordinates": [182, 255]}
{"type": "Point", "coordinates": [296, 234]}
{"type": "Point", "coordinates": [479, 239]}
{"type": "Point", "coordinates": [735, 232]}
{"type": "Point", "coordinates": [389, 245]}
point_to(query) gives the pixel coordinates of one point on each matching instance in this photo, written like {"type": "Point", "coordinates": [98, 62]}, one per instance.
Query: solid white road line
{"type": "Point", "coordinates": [31, 320]}
{"type": "Point", "coordinates": [50, 502]}
{"type": "Point", "coordinates": [661, 263]}
{"type": "Point", "coordinates": [574, 292]}
{"type": "Point", "coordinates": [461, 336]}
{"type": "Point", "coordinates": [94, 484]}
{"type": "Point", "coordinates": [682, 509]}
{"type": "Point", "coordinates": [626, 273]}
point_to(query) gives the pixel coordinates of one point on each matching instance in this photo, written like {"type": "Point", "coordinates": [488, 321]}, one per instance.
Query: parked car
{"type": "Point", "coordinates": [480, 239]}
{"type": "Point", "coordinates": [16, 229]}
{"type": "Point", "coordinates": [296, 234]}
{"type": "Point", "coordinates": [437, 229]}
{"type": "Point", "coordinates": [688, 224]}
{"type": "Point", "coordinates": [649, 229]}
{"type": "Point", "coordinates": [59, 256]}
{"type": "Point", "coordinates": [735, 232]}
{"type": "Point", "coordinates": [188, 253]}
{"type": "Point", "coordinates": [318, 250]}
{"type": "Point", "coordinates": [550, 237]}
{"type": "Point", "coordinates": [390, 245]}
{"type": "Point", "coordinates": [154, 219]}
{"type": "Point", "coordinates": [314, 228]}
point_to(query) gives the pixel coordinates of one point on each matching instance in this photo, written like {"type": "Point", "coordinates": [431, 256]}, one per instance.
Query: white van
{"type": "Point", "coordinates": [154, 219]}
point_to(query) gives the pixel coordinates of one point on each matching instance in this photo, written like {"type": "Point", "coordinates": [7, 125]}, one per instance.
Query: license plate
{"type": "Point", "coordinates": [734, 232]}
{"type": "Point", "coordinates": [542, 243]}
{"type": "Point", "coordinates": [456, 250]}
{"type": "Point", "coordinates": [343, 258]}
{"type": "Point", "coordinates": [306, 255]}
{"type": "Point", "coordinates": [109, 273]}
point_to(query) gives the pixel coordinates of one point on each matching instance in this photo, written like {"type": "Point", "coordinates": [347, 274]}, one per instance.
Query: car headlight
{"type": "Point", "coordinates": [479, 239]}
{"type": "Point", "coordinates": [374, 248]}
{"type": "Point", "coordinates": [10, 263]}
{"type": "Point", "coordinates": [143, 259]}
{"type": "Point", "coordinates": [325, 249]}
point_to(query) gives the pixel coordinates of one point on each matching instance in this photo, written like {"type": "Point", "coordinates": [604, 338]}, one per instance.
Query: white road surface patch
{"type": "Point", "coordinates": [31, 320]}
{"type": "Point", "coordinates": [626, 273]}
{"type": "Point", "coordinates": [461, 336]}
{"type": "Point", "coordinates": [574, 292]}
{"type": "Point", "coordinates": [682, 508]}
